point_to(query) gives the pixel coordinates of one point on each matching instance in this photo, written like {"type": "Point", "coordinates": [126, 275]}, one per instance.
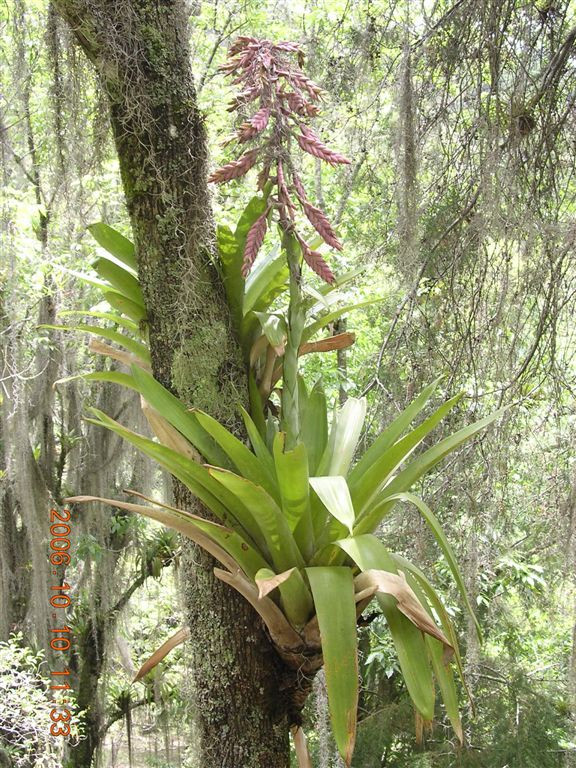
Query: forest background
{"type": "Point", "coordinates": [459, 210]}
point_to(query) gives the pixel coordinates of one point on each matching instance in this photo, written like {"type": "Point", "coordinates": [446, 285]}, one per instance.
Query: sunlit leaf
{"type": "Point", "coordinates": [345, 433]}
{"type": "Point", "coordinates": [333, 591]}
{"type": "Point", "coordinates": [115, 243]}
{"type": "Point", "coordinates": [265, 283]}
{"type": "Point", "coordinates": [334, 494]}
{"type": "Point", "coordinates": [364, 488]}
{"type": "Point", "coordinates": [124, 322]}
{"type": "Point", "coordinates": [329, 317]}
{"type": "Point", "coordinates": [369, 553]}
{"type": "Point", "coordinates": [418, 467]}
{"type": "Point", "coordinates": [313, 424]}
{"type": "Point", "coordinates": [393, 431]}
{"type": "Point", "coordinates": [120, 279]}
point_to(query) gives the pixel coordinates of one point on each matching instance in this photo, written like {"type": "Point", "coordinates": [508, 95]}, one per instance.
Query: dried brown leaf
{"type": "Point", "coordinates": [183, 523]}
{"type": "Point", "coordinates": [173, 642]}
{"type": "Point", "coordinates": [167, 434]}
{"type": "Point", "coordinates": [100, 348]}
{"type": "Point", "coordinates": [265, 586]}
{"type": "Point", "coordinates": [329, 344]}
{"type": "Point", "coordinates": [301, 747]}
{"type": "Point", "coordinates": [397, 586]}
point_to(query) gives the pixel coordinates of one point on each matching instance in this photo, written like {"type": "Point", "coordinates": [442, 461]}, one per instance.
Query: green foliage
{"type": "Point", "coordinates": [25, 706]}
{"type": "Point", "coordinates": [285, 532]}
{"type": "Point", "coordinates": [433, 330]}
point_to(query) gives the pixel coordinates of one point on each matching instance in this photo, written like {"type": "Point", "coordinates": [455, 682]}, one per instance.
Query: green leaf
{"type": "Point", "coordinates": [231, 263]}
{"type": "Point", "coordinates": [296, 599]}
{"type": "Point", "coordinates": [115, 243]}
{"type": "Point", "coordinates": [247, 463]}
{"type": "Point", "coordinates": [113, 318]}
{"type": "Point", "coordinates": [333, 592]}
{"type": "Point", "coordinates": [314, 425]}
{"type": "Point", "coordinates": [313, 328]}
{"type": "Point", "coordinates": [164, 402]}
{"type": "Point", "coordinates": [419, 467]}
{"type": "Point", "coordinates": [129, 308]}
{"type": "Point", "coordinates": [435, 602]}
{"type": "Point", "coordinates": [199, 530]}
{"type": "Point", "coordinates": [232, 257]}
{"type": "Point", "coordinates": [321, 300]}
{"type": "Point", "coordinates": [195, 477]}
{"type": "Point", "coordinates": [268, 516]}
{"type": "Point", "coordinates": [334, 494]}
{"type": "Point", "coordinates": [115, 377]}
{"type": "Point", "coordinates": [345, 433]}
{"type": "Point", "coordinates": [120, 279]}
{"type": "Point", "coordinates": [292, 473]}
{"type": "Point", "coordinates": [369, 553]}
{"type": "Point", "coordinates": [258, 444]}
{"type": "Point", "coordinates": [175, 412]}
{"type": "Point", "coordinates": [88, 279]}
{"type": "Point", "coordinates": [446, 683]}
{"type": "Point", "coordinates": [363, 489]}
{"type": "Point", "coordinates": [271, 432]}
{"type": "Point", "coordinates": [131, 345]}
{"type": "Point", "coordinates": [256, 404]}
{"type": "Point", "coordinates": [280, 543]}
{"type": "Point", "coordinates": [341, 280]}
{"type": "Point", "coordinates": [392, 432]}
{"type": "Point", "coordinates": [442, 669]}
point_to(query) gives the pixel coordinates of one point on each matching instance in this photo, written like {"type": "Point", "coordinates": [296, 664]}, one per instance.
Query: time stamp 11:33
{"type": "Point", "coordinates": [60, 601]}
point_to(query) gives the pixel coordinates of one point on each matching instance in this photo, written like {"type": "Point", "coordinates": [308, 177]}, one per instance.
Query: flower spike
{"type": "Point", "coordinates": [284, 99]}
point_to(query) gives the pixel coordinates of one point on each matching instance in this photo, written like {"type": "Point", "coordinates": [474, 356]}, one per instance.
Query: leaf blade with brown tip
{"type": "Point", "coordinates": [333, 591]}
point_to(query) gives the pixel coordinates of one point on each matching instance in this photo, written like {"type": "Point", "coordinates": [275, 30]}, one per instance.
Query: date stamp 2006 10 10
{"type": "Point", "coordinates": [60, 600]}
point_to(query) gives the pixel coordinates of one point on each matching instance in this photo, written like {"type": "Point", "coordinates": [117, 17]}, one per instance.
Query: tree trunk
{"type": "Point", "coordinates": [140, 50]}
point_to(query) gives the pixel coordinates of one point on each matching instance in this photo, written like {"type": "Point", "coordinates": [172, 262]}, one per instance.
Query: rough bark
{"type": "Point", "coordinates": [141, 53]}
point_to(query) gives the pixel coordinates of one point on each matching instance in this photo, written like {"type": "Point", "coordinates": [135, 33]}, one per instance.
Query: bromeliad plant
{"type": "Point", "coordinates": [298, 510]}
